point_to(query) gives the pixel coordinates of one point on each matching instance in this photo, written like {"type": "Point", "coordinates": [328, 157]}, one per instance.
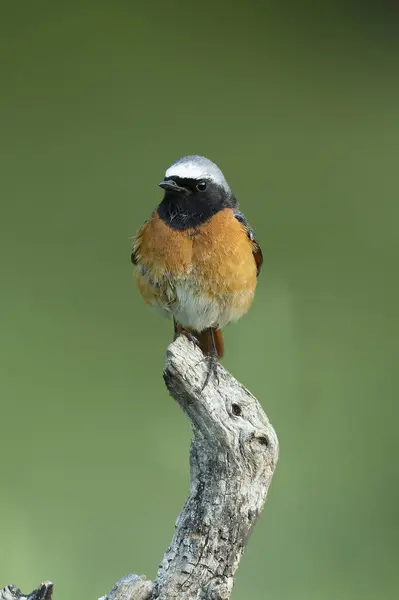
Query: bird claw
{"type": "Point", "coordinates": [191, 337]}
{"type": "Point", "coordinates": [211, 359]}
{"type": "Point", "coordinates": [212, 370]}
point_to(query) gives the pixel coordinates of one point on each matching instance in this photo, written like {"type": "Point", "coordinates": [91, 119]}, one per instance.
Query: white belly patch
{"type": "Point", "coordinates": [195, 310]}
{"type": "Point", "coordinates": [198, 311]}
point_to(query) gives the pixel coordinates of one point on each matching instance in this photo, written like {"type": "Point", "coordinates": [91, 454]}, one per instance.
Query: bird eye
{"type": "Point", "coordinates": [201, 186]}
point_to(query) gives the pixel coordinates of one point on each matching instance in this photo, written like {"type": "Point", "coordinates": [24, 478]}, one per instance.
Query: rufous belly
{"type": "Point", "coordinates": [203, 278]}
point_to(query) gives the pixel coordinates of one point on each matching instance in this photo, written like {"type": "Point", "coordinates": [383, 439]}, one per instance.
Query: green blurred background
{"type": "Point", "coordinates": [299, 105]}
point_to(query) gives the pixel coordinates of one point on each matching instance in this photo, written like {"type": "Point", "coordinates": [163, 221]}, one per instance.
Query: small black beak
{"type": "Point", "coordinates": [171, 185]}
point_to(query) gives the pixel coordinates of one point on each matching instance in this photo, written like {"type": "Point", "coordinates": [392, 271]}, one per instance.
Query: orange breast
{"type": "Point", "coordinates": [223, 256]}
{"type": "Point", "coordinates": [213, 265]}
{"type": "Point", "coordinates": [163, 250]}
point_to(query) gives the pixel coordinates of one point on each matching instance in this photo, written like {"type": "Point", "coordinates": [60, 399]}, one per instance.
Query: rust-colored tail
{"type": "Point", "coordinates": [206, 344]}
{"type": "Point", "coordinates": [204, 338]}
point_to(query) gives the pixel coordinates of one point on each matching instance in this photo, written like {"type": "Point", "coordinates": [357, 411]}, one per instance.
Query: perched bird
{"type": "Point", "coordinates": [197, 258]}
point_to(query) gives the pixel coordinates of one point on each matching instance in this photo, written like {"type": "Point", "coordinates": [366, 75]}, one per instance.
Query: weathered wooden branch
{"type": "Point", "coordinates": [233, 455]}
{"type": "Point", "coordinates": [43, 592]}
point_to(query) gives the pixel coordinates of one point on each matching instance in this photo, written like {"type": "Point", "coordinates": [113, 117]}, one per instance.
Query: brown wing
{"type": "Point", "coordinates": [256, 249]}
{"type": "Point", "coordinates": [134, 256]}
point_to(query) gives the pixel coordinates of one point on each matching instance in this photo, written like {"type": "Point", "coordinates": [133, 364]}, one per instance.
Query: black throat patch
{"type": "Point", "coordinates": [190, 208]}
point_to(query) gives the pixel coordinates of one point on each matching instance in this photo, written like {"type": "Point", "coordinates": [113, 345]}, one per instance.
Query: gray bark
{"type": "Point", "coordinates": [233, 455]}
{"type": "Point", "coordinates": [43, 592]}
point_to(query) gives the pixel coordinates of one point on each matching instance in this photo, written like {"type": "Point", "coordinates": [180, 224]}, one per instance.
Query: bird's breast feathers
{"type": "Point", "coordinates": [203, 277]}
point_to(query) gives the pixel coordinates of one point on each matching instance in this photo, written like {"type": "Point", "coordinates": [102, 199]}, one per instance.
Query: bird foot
{"type": "Point", "coordinates": [190, 337]}
{"type": "Point", "coordinates": [213, 363]}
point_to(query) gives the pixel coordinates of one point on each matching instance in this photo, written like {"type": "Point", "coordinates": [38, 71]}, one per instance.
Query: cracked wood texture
{"type": "Point", "coordinates": [43, 592]}
{"type": "Point", "coordinates": [233, 455]}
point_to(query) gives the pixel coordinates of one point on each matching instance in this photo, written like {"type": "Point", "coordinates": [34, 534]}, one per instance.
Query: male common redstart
{"type": "Point", "coordinates": [197, 258]}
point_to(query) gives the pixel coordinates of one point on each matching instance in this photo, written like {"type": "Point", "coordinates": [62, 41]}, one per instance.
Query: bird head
{"type": "Point", "coordinates": [195, 189]}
